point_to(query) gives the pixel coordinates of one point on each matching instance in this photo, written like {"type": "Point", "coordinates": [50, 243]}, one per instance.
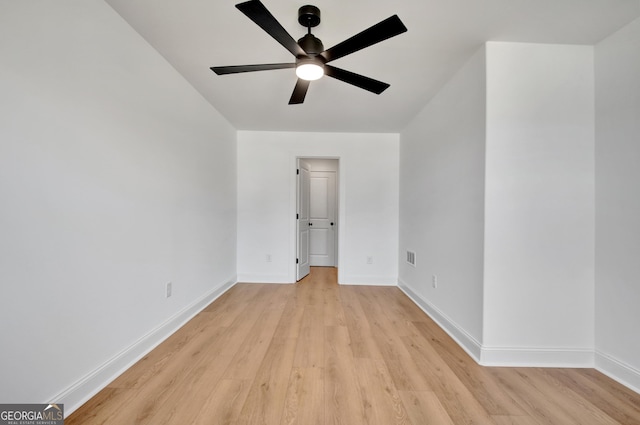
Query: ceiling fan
{"type": "Point", "coordinates": [311, 58]}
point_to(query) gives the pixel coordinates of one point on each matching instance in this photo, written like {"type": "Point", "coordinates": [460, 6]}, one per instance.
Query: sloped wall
{"type": "Point", "coordinates": [116, 178]}
{"type": "Point", "coordinates": [618, 204]}
{"type": "Point", "coordinates": [442, 156]}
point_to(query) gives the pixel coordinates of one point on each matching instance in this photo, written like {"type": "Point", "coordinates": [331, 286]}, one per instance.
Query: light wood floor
{"type": "Point", "coordinates": [318, 353]}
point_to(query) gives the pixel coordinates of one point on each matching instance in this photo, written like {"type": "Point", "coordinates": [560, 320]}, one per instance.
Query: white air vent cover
{"type": "Point", "coordinates": [411, 258]}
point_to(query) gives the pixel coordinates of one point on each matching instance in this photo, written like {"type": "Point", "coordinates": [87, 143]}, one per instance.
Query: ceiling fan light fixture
{"type": "Point", "coordinates": [309, 70]}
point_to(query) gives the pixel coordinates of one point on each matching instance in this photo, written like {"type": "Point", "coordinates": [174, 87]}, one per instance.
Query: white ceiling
{"type": "Point", "coordinates": [195, 34]}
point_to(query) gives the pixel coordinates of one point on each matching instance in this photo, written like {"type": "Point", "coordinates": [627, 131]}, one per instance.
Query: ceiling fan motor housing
{"type": "Point", "coordinates": [311, 44]}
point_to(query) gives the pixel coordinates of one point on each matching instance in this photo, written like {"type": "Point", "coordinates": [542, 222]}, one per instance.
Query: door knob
{"type": "Point", "coordinates": [332, 223]}
{"type": "Point", "coordinates": [310, 224]}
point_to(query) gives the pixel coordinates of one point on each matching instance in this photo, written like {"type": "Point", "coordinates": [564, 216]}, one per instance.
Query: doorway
{"type": "Point", "coordinates": [318, 233]}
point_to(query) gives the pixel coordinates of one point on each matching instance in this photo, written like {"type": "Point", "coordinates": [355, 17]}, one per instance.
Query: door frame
{"type": "Point", "coordinates": [293, 205]}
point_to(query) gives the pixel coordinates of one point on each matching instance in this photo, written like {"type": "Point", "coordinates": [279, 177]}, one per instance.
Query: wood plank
{"type": "Point", "coordinates": [381, 401]}
{"type": "Point", "coordinates": [251, 351]}
{"type": "Point", "coordinates": [310, 348]}
{"type": "Point", "coordinates": [333, 312]}
{"type": "Point", "coordinates": [304, 403]}
{"type": "Point", "coordinates": [362, 342]}
{"type": "Point", "coordinates": [514, 420]}
{"type": "Point", "coordinates": [424, 407]}
{"type": "Point", "coordinates": [267, 396]}
{"type": "Point", "coordinates": [290, 320]}
{"type": "Point", "coordinates": [224, 404]}
{"type": "Point", "coordinates": [343, 401]}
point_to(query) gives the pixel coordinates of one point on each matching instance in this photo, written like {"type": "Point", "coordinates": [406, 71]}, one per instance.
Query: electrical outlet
{"type": "Point", "coordinates": [168, 289]}
{"type": "Point", "coordinates": [268, 258]}
{"type": "Point", "coordinates": [434, 281]}
{"type": "Point", "coordinates": [369, 260]}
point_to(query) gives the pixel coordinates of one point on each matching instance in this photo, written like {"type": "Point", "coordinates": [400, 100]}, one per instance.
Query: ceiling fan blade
{"type": "Point", "coordinates": [381, 31]}
{"type": "Point", "coordinates": [357, 80]}
{"type": "Point", "coordinates": [258, 13]}
{"type": "Point", "coordinates": [299, 92]}
{"type": "Point", "coordinates": [222, 70]}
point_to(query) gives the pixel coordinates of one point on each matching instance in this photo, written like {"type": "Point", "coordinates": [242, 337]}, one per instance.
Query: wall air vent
{"type": "Point", "coordinates": [411, 258]}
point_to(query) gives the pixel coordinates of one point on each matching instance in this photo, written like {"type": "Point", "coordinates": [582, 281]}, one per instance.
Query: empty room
{"type": "Point", "coordinates": [276, 212]}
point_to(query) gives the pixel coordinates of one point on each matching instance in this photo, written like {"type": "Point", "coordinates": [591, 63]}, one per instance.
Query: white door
{"type": "Point", "coordinates": [323, 218]}
{"type": "Point", "coordinates": [302, 220]}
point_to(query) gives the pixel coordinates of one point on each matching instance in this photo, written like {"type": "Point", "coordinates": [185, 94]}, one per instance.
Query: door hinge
{"type": "Point", "coordinates": [298, 171]}
{"type": "Point", "coordinates": [297, 216]}
{"type": "Point", "coordinates": [297, 261]}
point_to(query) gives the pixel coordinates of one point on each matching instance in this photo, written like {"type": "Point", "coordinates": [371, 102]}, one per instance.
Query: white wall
{"type": "Point", "coordinates": [116, 177]}
{"type": "Point", "coordinates": [618, 205]}
{"type": "Point", "coordinates": [368, 204]}
{"type": "Point", "coordinates": [442, 204]}
{"type": "Point", "coordinates": [539, 205]}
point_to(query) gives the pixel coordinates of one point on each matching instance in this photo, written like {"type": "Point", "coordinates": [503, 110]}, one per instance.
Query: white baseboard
{"type": "Point", "coordinates": [618, 371]}
{"type": "Point", "coordinates": [537, 357]}
{"type": "Point", "coordinates": [264, 278]}
{"type": "Point", "coordinates": [368, 280]}
{"type": "Point", "coordinates": [464, 340]}
{"type": "Point", "coordinates": [81, 391]}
